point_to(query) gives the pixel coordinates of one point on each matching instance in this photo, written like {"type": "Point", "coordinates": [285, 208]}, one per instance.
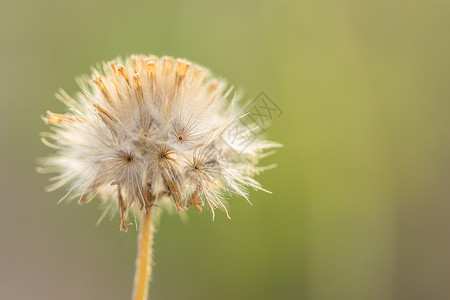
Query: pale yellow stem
{"type": "Point", "coordinates": [144, 257]}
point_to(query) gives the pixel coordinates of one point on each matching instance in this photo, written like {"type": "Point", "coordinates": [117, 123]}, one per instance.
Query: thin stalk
{"type": "Point", "coordinates": [144, 258]}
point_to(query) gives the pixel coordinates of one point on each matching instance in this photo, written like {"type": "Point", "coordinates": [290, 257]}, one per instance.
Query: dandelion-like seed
{"type": "Point", "coordinates": [148, 129]}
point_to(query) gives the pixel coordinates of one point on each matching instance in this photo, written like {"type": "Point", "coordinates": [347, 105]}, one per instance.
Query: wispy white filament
{"type": "Point", "coordinates": [149, 128]}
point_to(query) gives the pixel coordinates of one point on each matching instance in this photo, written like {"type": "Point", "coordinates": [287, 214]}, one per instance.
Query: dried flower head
{"type": "Point", "coordinates": [150, 128]}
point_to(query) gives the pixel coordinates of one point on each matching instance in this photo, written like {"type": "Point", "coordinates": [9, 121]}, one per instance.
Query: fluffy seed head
{"type": "Point", "coordinates": [148, 129]}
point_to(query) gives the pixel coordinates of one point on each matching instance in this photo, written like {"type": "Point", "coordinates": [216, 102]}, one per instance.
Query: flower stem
{"type": "Point", "coordinates": [144, 257]}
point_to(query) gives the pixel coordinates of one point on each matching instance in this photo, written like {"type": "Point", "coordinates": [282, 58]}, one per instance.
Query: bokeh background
{"type": "Point", "coordinates": [360, 206]}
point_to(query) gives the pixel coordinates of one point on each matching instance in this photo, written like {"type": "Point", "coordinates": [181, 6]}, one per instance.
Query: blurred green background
{"type": "Point", "coordinates": [360, 206]}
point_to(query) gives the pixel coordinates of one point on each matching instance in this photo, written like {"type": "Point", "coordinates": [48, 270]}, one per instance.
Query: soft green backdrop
{"type": "Point", "coordinates": [360, 206]}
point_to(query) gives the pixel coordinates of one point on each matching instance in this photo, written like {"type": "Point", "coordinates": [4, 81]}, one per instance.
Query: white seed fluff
{"type": "Point", "coordinates": [150, 128]}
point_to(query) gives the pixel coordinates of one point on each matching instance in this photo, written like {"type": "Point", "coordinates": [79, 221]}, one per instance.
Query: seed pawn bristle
{"type": "Point", "coordinates": [213, 86]}
{"type": "Point", "coordinates": [122, 210]}
{"type": "Point", "coordinates": [193, 200]}
{"type": "Point", "coordinates": [136, 63]}
{"type": "Point", "coordinates": [113, 67]}
{"type": "Point", "coordinates": [167, 65]}
{"type": "Point", "coordinates": [53, 118]}
{"type": "Point", "coordinates": [138, 91]}
{"type": "Point", "coordinates": [182, 67]}
{"type": "Point", "coordinates": [101, 86]}
{"type": "Point", "coordinates": [181, 70]}
{"type": "Point", "coordinates": [123, 73]}
{"type": "Point", "coordinates": [103, 113]}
